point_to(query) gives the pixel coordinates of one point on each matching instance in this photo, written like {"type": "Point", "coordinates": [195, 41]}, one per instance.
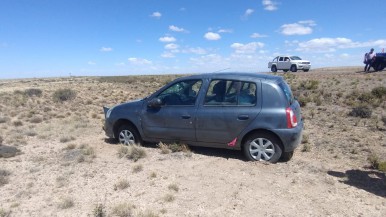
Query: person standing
{"type": "Point", "coordinates": [369, 59]}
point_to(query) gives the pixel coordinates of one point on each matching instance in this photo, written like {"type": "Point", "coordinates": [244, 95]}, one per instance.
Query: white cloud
{"type": "Point", "coordinates": [344, 55]}
{"type": "Point", "coordinates": [257, 35]}
{"type": "Point", "coordinates": [299, 28]}
{"type": "Point", "coordinates": [212, 36]}
{"type": "Point", "coordinates": [197, 50]}
{"type": "Point", "coordinates": [248, 12]}
{"type": "Point", "coordinates": [139, 61]}
{"type": "Point", "coordinates": [269, 5]}
{"type": "Point", "coordinates": [171, 46]}
{"type": "Point", "coordinates": [120, 64]}
{"type": "Point", "coordinates": [156, 15]}
{"type": "Point", "coordinates": [106, 49]}
{"type": "Point", "coordinates": [246, 48]}
{"type": "Point", "coordinates": [167, 55]}
{"type": "Point", "coordinates": [225, 31]}
{"type": "Point", "coordinates": [326, 44]}
{"type": "Point", "coordinates": [167, 39]}
{"type": "Point", "coordinates": [210, 59]}
{"type": "Point", "coordinates": [91, 63]}
{"type": "Point", "coordinates": [176, 29]}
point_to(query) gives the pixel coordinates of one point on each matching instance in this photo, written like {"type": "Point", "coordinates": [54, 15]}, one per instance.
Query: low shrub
{"type": "Point", "coordinates": [99, 211]}
{"type": "Point", "coordinates": [62, 95]}
{"type": "Point", "coordinates": [122, 184]}
{"type": "Point", "coordinates": [379, 92]}
{"type": "Point", "coordinates": [33, 92]}
{"type": "Point", "coordinates": [361, 111]}
{"type": "Point", "coordinates": [376, 163]}
{"type": "Point", "coordinates": [309, 85]}
{"type": "Point", "coordinates": [4, 177]}
{"type": "Point", "coordinates": [135, 153]}
{"type": "Point", "coordinates": [123, 210]}
{"type": "Point", "coordinates": [66, 203]}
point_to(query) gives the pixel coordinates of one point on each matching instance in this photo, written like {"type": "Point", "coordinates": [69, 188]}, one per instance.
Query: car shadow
{"type": "Point", "coordinates": [368, 180]}
{"type": "Point", "coordinates": [217, 152]}
{"type": "Point", "coordinates": [213, 152]}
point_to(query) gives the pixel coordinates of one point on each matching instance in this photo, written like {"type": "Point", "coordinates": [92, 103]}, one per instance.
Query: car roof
{"type": "Point", "coordinates": [236, 76]}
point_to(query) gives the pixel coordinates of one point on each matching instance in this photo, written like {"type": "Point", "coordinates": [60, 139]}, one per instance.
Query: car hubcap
{"type": "Point", "coordinates": [261, 149]}
{"type": "Point", "coordinates": [126, 138]}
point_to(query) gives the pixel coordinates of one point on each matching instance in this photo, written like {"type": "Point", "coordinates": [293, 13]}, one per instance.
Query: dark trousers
{"type": "Point", "coordinates": [368, 65]}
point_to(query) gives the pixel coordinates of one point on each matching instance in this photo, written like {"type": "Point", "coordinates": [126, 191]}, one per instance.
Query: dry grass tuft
{"type": "Point", "coordinates": [66, 203]}
{"type": "Point", "coordinates": [135, 152]}
{"type": "Point", "coordinates": [123, 210]}
{"type": "Point", "coordinates": [122, 184]}
{"type": "Point", "coordinates": [4, 177]}
{"type": "Point", "coordinates": [173, 187]}
{"type": "Point", "coordinates": [99, 211]}
{"type": "Point", "coordinates": [137, 168]}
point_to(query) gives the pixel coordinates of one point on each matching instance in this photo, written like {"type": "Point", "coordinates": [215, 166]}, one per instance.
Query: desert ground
{"type": "Point", "coordinates": [55, 159]}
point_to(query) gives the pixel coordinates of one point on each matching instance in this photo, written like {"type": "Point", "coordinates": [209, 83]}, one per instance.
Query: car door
{"type": "Point", "coordinates": [175, 118]}
{"type": "Point", "coordinates": [220, 119]}
{"type": "Point", "coordinates": [281, 63]}
{"type": "Point", "coordinates": [286, 63]}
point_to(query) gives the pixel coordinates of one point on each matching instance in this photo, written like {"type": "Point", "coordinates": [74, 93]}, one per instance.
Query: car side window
{"type": "Point", "coordinates": [181, 93]}
{"type": "Point", "coordinates": [281, 59]}
{"type": "Point", "coordinates": [231, 93]}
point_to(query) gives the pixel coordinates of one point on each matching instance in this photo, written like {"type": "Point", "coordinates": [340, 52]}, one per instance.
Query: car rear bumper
{"type": "Point", "coordinates": [291, 138]}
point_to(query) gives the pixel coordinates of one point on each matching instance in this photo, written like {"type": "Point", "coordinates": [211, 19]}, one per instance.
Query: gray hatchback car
{"type": "Point", "coordinates": [255, 113]}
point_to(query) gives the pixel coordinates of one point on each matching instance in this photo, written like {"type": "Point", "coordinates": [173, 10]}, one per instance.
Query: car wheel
{"type": "Point", "coordinates": [294, 68]}
{"type": "Point", "coordinates": [286, 156]}
{"type": "Point", "coordinates": [128, 135]}
{"type": "Point", "coordinates": [262, 147]}
{"type": "Point", "coordinates": [273, 69]}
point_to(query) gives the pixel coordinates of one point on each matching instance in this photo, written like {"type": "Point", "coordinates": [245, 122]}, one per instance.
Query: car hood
{"type": "Point", "coordinates": [300, 61]}
{"type": "Point", "coordinates": [135, 104]}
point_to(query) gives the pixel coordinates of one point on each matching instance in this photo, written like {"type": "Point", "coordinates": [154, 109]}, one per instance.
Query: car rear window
{"type": "Point", "coordinates": [287, 92]}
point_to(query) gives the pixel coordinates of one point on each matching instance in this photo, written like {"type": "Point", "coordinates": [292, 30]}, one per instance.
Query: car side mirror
{"type": "Point", "coordinates": [154, 103]}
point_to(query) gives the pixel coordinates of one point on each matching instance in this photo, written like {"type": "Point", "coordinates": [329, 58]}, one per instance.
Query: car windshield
{"type": "Point", "coordinates": [296, 58]}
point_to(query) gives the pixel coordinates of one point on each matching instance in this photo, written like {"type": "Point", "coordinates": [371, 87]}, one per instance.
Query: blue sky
{"type": "Point", "coordinates": [49, 38]}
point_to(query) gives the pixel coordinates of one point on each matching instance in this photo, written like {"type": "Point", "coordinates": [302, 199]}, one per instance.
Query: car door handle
{"type": "Point", "coordinates": [243, 117]}
{"type": "Point", "coordinates": [186, 116]}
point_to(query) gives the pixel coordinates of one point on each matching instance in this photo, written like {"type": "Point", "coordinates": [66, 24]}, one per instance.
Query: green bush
{"type": "Point", "coordinates": [62, 95]}
{"type": "Point", "coordinates": [379, 92]}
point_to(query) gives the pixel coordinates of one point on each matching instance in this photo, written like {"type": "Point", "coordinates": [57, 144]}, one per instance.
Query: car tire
{"type": "Point", "coordinates": [262, 147]}
{"type": "Point", "coordinates": [294, 68]}
{"type": "Point", "coordinates": [128, 135]}
{"type": "Point", "coordinates": [273, 69]}
{"type": "Point", "coordinates": [286, 156]}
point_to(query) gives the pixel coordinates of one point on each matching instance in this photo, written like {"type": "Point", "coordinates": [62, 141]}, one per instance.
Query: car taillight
{"type": "Point", "coordinates": [292, 121]}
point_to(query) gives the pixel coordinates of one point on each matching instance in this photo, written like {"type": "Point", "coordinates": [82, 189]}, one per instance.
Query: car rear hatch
{"type": "Point", "coordinates": [293, 107]}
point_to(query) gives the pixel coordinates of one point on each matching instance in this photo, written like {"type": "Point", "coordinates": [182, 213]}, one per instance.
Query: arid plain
{"type": "Point", "coordinates": [55, 159]}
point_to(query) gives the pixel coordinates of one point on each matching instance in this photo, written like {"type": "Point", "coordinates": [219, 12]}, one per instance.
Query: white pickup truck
{"type": "Point", "coordinates": [292, 63]}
